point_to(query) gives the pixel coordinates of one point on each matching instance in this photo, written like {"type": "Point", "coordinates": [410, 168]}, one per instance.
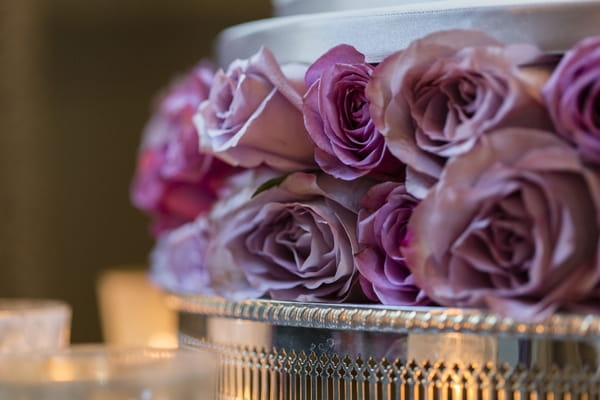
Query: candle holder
{"type": "Point", "coordinates": [33, 325]}
{"type": "Point", "coordinates": [97, 372]}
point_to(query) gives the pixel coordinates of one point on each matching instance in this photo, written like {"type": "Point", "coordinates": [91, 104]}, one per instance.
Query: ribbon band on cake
{"type": "Point", "coordinates": [380, 32]}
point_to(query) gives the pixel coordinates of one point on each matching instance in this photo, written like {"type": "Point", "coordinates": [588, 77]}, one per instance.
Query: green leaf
{"type": "Point", "coordinates": [271, 183]}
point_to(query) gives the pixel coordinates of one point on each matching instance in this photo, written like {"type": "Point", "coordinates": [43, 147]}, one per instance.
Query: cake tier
{"type": "Point", "coordinates": [553, 25]}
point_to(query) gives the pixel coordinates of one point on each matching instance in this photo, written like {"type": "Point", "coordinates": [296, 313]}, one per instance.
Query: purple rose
{"type": "Point", "coordinates": [294, 241]}
{"type": "Point", "coordinates": [178, 261]}
{"type": "Point", "coordinates": [434, 99]}
{"type": "Point", "coordinates": [382, 223]}
{"type": "Point", "coordinates": [573, 97]}
{"type": "Point", "coordinates": [253, 115]}
{"type": "Point", "coordinates": [336, 115]}
{"type": "Point", "coordinates": [513, 226]}
{"type": "Point", "coordinates": [173, 181]}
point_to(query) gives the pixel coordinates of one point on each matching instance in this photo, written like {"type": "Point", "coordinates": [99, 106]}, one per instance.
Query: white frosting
{"type": "Point", "coordinates": [553, 25]}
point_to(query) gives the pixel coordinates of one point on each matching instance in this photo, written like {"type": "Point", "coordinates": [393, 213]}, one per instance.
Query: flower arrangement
{"type": "Point", "coordinates": [459, 171]}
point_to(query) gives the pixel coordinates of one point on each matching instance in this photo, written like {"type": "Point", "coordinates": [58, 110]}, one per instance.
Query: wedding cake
{"type": "Point", "coordinates": [385, 180]}
{"type": "Point", "coordinates": [386, 158]}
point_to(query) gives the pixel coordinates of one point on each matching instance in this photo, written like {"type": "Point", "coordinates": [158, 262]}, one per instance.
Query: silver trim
{"type": "Point", "coordinates": [387, 319]}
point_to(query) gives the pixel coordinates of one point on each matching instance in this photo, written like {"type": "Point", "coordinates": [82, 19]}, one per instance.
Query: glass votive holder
{"type": "Point", "coordinates": [33, 325]}
{"type": "Point", "coordinates": [96, 372]}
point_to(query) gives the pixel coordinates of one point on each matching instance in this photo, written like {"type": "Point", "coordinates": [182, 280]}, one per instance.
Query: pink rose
{"type": "Point", "coordinates": [184, 259]}
{"type": "Point", "coordinates": [512, 225]}
{"type": "Point", "coordinates": [294, 241]}
{"type": "Point", "coordinates": [433, 100]}
{"type": "Point", "coordinates": [173, 181]}
{"type": "Point", "coordinates": [382, 227]}
{"type": "Point", "coordinates": [176, 110]}
{"type": "Point", "coordinates": [253, 115]}
{"type": "Point", "coordinates": [573, 97]}
{"type": "Point", "coordinates": [336, 115]}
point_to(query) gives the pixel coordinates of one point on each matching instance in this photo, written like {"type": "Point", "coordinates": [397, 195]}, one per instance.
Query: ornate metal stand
{"type": "Point", "coordinates": [278, 350]}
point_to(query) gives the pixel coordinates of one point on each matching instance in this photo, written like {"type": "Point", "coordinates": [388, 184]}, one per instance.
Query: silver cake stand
{"type": "Point", "coordinates": [281, 350]}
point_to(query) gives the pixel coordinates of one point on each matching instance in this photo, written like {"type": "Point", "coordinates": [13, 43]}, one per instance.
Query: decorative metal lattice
{"type": "Point", "coordinates": [252, 374]}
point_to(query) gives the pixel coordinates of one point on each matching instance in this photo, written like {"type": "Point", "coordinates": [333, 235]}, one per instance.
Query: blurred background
{"type": "Point", "coordinates": [77, 79]}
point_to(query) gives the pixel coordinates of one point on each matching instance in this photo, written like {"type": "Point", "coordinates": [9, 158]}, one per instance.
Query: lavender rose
{"type": "Point", "coordinates": [382, 223]}
{"type": "Point", "coordinates": [253, 115]}
{"type": "Point", "coordinates": [294, 241]}
{"type": "Point", "coordinates": [433, 100]}
{"type": "Point", "coordinates": [573, 97]}
{"type": "Point", "coordinates": [511, 225]}
{"type": "Point", "coordinates": [336, 115]}
{"type": "Point", "coordinates": [178, 261]}
{"type": "Point", "coordinates": [173, 181]}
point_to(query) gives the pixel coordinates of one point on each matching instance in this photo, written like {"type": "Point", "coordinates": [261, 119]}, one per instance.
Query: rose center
{"type": "Point", "coordinates": [589, 101]}
{"type": "Point", "coordinates": [287, 240]}
{"type": "Point", "coordinates": [394, 228]}
{"type": "Point", "coordinates": [510, 246]}
{"type": "Point", "coordinates": [468, 97]}
{"type": "Point", "coordinates": [462, 97]}
{"type": "Point", "coordinates": [292, 238]}
{"type": "Point", "coordinates": [498, 243]}
{"type": "Point", "coordinates": [508, 241]}
{"type": "Point", "coordinates": [353, 107]}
